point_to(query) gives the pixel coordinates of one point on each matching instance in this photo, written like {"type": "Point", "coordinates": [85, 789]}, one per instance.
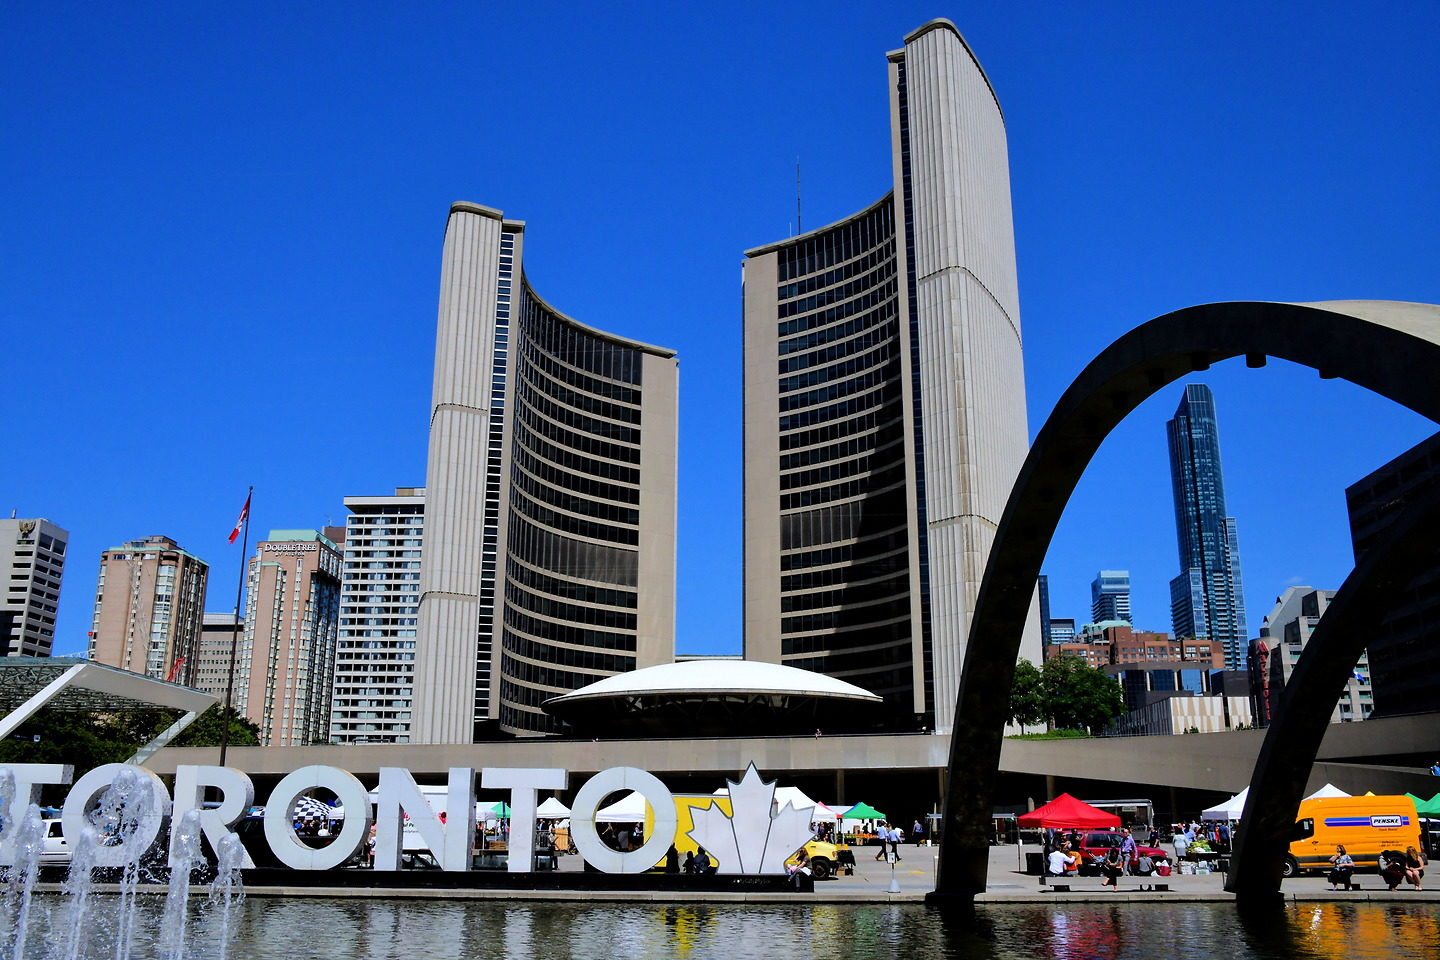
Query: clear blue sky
{"type": "Point", "coordinates": [220, 235]}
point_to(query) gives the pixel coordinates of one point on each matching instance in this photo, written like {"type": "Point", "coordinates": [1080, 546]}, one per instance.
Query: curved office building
{"type": "Point", "coordinates": [885, 404]}
{"type": "Point", "coordinates": [550, 511]}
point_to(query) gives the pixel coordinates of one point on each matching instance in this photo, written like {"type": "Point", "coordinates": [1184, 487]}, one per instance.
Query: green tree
{"type": "Point", "coordinates": [1078, 695]}
{"type": "Point", "coordinates": [88, 740]}
{"type": "Point", "coordinates": [1027, 695]}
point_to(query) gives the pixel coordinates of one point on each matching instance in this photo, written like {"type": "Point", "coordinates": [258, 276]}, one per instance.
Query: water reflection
{"type": "Point", "coordinates": [275, 929]}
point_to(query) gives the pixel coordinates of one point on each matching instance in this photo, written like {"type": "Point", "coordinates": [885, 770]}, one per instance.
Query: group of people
{"type": "Point", "coordinates": [890, 838]}
{"type": "Point", "coordinates": [1194, 838]}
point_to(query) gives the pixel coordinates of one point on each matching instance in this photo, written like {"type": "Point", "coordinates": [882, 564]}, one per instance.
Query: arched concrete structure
{"type": "Point", "coordinates": [1390, 347]}
{"type": "Point", "coordinates": [1308, 699]}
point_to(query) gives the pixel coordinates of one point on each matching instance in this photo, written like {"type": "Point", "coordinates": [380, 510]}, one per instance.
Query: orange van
{"type": "Point", "coordinates": [1365, 825]}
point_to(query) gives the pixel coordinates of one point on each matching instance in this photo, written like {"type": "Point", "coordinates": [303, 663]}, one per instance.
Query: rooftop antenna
{"type": "Point", "coordinates": [798, 228]}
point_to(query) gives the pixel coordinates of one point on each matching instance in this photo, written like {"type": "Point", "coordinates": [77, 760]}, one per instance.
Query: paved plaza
{"type": "Point", "coordinates": [915, 877]}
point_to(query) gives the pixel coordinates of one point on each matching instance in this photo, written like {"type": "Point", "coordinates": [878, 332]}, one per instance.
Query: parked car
{"type": "Point", "coordinates": [1099, 843]}
{"type": "Point", "coordinates": [56, 851]}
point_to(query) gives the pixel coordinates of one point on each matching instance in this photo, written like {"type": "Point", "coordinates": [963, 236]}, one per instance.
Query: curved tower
{"type": "Point", "coordinates": [885, 403]}
{"type": "Point", "coordinates": [550, 498]}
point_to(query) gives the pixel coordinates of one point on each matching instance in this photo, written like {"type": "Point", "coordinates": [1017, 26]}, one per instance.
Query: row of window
{"type": "Point", "coordinates": [844, 242]}
{"type": "Point", "coordinates": [571, 461]}
{"type": "Point", "coordinates": [886, 434]}
{"type": "Point", "coordinates": [839, 471]}
{"type": "Point", "coordinates": [850, 596]}
{"type": "Point", "coordinates": [601, 357]}
{"type": "Point", "coordinates": [565, 523]}
{"type": "Point", "coordinates": [568, 589]}
{"type": "Point", "coordinates": [579, 482]}
{"type": "Point", "coordinates": [881, 352]}
{"type": "Point", "coordinates": [572, 613]}
{"type": "Point", "coordinates": [566, 500]}
{"type": "Point", "coordinates": [844, 521]}
{"type": "Point", "coordinates": [866, 281]}
{"type": "Point", "coordinates": [830, 277]}
{"type": "Point", "coordinates": [548, 550]}
{"type": "Point", "coordinates": [892, 641]}
{"type": "Point", "coordinates": [574, 418]}
{"type": "Point", "coordinates": [887, 391]}
{"type": "Point", "coordinates": [567, 656]}
{"type": "Point", "coordinates": [564, 373]}
{"type": "Point", "coordinates": [867, 338]}
{"type": "Point", "coordinates": [865, 569]}
{"type": "Point", "coordinates": [845, 620]}
{"type": "Point", "coordinates": [543, 630]}
{"type": "Point", "coordinates": [873, 485]}
{"type": "Point", "coordinates": [889, 415]}
{"type": "Point", "coordinates": [880, 543]}
{"type": "Point", "coordinates": [578, 399]}
{"type": "Point", "coordinates": [582, 442]}
{"type": "Point", "coordinates": [860, 305]}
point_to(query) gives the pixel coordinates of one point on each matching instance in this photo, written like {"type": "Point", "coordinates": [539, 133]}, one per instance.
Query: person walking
{"type": "Point", "coordinates": [1129, 852]}
{"type": "Point", "coordinates": [917, 832]}
{"type": "Point", "coordinates": [897, 836]}
{"type": "Point", "coordinates": [882, 833]}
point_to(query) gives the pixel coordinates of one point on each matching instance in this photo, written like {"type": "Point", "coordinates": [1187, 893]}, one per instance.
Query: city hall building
{"type": "Point", "coordinates": [885, 403]}
{"type": "Point", "coordinates": [549, 501]}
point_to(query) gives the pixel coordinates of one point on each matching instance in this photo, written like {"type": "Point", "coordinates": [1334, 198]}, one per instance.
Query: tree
{"type": "Point", "coordinates": [1078, 695]}
{"type": "Point", "coordinates": [88, 740]}
{"type": "Point", "coordinates": [1027, 695]}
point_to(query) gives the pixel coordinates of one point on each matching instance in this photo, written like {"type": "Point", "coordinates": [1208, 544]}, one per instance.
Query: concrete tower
{"type": "Point", "coordinates": [879, 459]}
{"type": "Point", "coordinates": [550, 498]}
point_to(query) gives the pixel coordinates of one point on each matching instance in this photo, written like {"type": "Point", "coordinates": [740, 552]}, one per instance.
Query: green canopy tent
{"type": "Point", "coordinates": [862, 811]}
{"type": "Point", "coordinates": [1426, 808]}
{"type": "Point", "coordinates": [500, 810]}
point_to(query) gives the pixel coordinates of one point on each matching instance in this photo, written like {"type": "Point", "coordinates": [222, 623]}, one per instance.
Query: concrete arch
{"type": "Point", "coordinates": [1389, 347]}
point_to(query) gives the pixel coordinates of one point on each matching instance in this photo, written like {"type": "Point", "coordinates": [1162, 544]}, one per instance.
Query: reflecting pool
{"type": "Point", "coordinates": [404, 930]}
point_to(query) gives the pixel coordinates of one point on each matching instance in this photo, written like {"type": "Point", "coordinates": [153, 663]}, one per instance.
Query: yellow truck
{"type": "Point", "coordinates": [1364, 825]}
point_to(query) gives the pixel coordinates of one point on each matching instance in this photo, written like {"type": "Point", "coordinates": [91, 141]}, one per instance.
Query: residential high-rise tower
{"type": "Point", "coordinates": [1206, 599]}
{"type": "Point", "coordinates": [149, 608]}
{"type": "Point", "coordinates": [286, 660]}
{"type": "Point", "coordinates": [379, 616]}
{"type": "Point", "coordinates": [550, 498]}
{"type": "Point", "coordinates": [885, 403]}
{"type": "Point", "coordinates": [32, 556]}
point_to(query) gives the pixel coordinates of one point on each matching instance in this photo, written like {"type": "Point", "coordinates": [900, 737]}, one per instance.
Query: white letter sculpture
{"type": "Point", "coordinates": [752, 839]}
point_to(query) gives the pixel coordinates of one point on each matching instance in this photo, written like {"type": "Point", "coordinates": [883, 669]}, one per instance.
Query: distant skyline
{"type": "Point", "coordinates": [220, 244]}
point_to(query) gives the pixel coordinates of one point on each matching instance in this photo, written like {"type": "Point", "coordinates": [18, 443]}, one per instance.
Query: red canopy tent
{"type": "Point", "coordinates": [1065, 812]}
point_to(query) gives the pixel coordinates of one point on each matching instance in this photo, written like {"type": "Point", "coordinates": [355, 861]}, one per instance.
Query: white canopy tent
{"type": "Point", "coordinates": [628, 809]}
{"type": "Point", "coordinates": [1228, 811]}
{"type": "Point", "coordinates": [1329, 790]}
{"type": "Point", "coordinates": [552, 808]}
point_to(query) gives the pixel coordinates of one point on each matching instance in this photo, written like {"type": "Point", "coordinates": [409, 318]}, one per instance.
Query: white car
{"type": "Point", "coordinates": [56, 851]}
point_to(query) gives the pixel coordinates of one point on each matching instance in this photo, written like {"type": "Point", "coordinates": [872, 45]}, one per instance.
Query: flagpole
{"type": "Point", "coordinates": [235, 633]}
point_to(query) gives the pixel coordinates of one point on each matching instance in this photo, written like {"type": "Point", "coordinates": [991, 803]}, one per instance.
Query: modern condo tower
{"type": "Point", "coordinates": [550, 499]}
{"type": "Point", "coordinates": [885, 403]}
{"type": "Point", "coordinates": [1206, 599]}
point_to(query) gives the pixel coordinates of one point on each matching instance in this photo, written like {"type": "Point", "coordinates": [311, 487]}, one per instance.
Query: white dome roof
{"type": "Point", "coordinates": [718, 677]}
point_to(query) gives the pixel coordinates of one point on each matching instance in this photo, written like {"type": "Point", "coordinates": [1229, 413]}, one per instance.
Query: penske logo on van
{"type": "Point", "coordinates": [1382, 821]}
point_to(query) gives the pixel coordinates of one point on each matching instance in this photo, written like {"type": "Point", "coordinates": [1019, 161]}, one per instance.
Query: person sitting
{"type": "Point", "coordinates": [703, 863]}
{"type": "Point", "coordinates": [689, 865]}
{"type": "Point", "coordinates": [1059, 861]}
{"type": "Point", "coordinates": [1343, 868]}
{"type": "Point", "coordinates": [1392, 868]}
{"type": "Point", "coordinates": [1414, 867]}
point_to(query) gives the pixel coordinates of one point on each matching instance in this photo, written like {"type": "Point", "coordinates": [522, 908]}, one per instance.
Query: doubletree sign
{"type": "Point", "coordinates": [754, 838]}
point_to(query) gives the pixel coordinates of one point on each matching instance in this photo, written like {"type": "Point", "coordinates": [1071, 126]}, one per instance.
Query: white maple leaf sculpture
{"type": "Point", "coordinates": [752, 839]}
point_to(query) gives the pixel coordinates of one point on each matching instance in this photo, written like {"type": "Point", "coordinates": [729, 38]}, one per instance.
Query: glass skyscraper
{"type": "Point", "coordinates": [1110, 596]}
{"type": "Point", "coordinates": [1206, 600]}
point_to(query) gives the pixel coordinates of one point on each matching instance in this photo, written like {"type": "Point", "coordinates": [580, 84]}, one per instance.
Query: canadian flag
{"type": "Point", "coordinates": [240, 521]}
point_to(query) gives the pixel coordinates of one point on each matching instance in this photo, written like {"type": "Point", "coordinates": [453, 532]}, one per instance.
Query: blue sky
{"type": "Point", "coordinates": [220, 237]}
